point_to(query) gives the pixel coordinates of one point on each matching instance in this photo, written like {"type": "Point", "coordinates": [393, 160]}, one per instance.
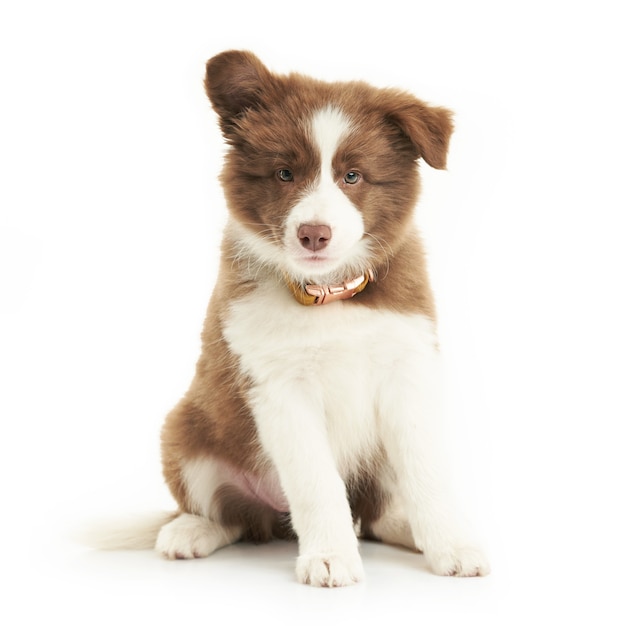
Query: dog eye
{"type": "Point", "coordinates": [285, 175]}
{"type": "Point", "coordinates": [351, 178]}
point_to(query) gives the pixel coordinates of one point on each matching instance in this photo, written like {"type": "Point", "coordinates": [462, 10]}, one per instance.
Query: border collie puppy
{"type": "Point", "coordinates": [315, 404]}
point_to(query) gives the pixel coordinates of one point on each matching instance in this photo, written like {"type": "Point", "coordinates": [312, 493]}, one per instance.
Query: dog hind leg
{"type": "Point", "coordinates": [198, 530]}
{"type": "Point", "coordinates": [194, 536]}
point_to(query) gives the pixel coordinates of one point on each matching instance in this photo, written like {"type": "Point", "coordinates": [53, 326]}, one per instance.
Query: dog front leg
{"type": "Point", "coordinates": [411, 411]}
{"type": "Point", "coordinates": [291, 425]}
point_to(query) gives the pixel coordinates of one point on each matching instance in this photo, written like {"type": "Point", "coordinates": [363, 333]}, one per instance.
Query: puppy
{"type": "Point", "coordinates": [314, 408]}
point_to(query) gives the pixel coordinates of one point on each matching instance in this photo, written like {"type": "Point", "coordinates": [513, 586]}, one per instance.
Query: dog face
{"type": "Point", "coordinates": [321, 177]}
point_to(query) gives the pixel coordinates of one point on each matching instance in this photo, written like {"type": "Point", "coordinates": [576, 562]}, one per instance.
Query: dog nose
{"type": "Point", "coordinates": [314, 237]}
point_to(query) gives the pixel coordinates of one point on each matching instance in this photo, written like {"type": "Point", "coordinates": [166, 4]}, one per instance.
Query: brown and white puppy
{"type": "Point", "coordinates": [315, 401]}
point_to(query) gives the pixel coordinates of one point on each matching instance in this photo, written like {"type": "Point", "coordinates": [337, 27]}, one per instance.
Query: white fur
{"type": "Point", "coordinates": [194, 536]}
{"type": "Point", "coordinates": [202, 476]}
{"type": "Point", "coordinates": [331, 384]}
{"type": "Point", "coordinates": [325, 203]}
{"type": "Point", "coordinates": [138, 532]}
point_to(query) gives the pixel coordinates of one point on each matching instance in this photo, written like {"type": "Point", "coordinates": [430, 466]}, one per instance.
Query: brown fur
{"type": "Point", "coordinates": [260, 523]}
{"type": "Point", "coordinates": [213, 419]}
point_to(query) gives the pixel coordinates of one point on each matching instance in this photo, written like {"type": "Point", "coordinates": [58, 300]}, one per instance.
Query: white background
{"type": "Point", "coordinates": [109, 232]}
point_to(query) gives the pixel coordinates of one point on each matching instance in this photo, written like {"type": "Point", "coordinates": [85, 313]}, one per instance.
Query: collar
{"type": "Point", "coordinates": [324, 294]}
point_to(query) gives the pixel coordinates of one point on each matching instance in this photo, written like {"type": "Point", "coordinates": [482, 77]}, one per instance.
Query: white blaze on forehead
{"type": "Point", "coordinates": [329, 127]}
{"type": "Point", "coordinates": [324, 202]}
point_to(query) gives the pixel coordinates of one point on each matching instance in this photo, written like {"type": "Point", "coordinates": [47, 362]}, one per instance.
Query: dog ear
{"type": "Point", "coordinates": [429, 128]}
{"type": "Point", "coordinates": [234, 82]}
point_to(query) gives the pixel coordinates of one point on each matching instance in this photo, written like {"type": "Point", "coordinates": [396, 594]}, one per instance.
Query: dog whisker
{"type": "Point", "coordinates": [384, 247]}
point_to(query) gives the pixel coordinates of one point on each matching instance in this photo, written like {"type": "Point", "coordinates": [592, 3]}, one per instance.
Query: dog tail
{"type": "Point", "coordinates": [133, 533]}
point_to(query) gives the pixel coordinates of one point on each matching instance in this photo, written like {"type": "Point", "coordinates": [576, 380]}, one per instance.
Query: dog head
{"type": "Point", "coordinates": [321, 177]}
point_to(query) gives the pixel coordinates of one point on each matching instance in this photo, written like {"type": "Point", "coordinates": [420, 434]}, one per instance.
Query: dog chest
{"type": "Point", "coordinates": [343, 352]}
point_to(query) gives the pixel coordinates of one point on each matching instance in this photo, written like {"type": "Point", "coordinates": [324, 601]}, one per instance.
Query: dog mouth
{"type": "Point", "coordinates": [315, 261]}
{"type": "Point", "coordinates": [316, 258]}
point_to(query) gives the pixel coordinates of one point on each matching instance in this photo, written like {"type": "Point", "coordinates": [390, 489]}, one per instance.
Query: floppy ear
{"type": "Point", "coordinates": [234, 82]}
{"type": "Point", "coordinates": [429, 128]}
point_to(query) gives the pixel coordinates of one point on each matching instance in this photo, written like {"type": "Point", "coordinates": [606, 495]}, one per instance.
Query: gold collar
{"type": "Point", "coordinates": [324, 294]}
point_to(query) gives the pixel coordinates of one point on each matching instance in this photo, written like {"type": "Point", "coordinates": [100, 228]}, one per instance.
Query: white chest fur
{"type": "Point", "coordinates": [337, 357]}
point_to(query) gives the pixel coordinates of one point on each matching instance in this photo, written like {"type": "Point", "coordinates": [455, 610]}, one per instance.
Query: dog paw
{"type": "Point", "coordinates": [329, 570]}
{"type": "Point", "coordinates": [187, 537]}
{"type": "Point", "coordinates": [459, 560]}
